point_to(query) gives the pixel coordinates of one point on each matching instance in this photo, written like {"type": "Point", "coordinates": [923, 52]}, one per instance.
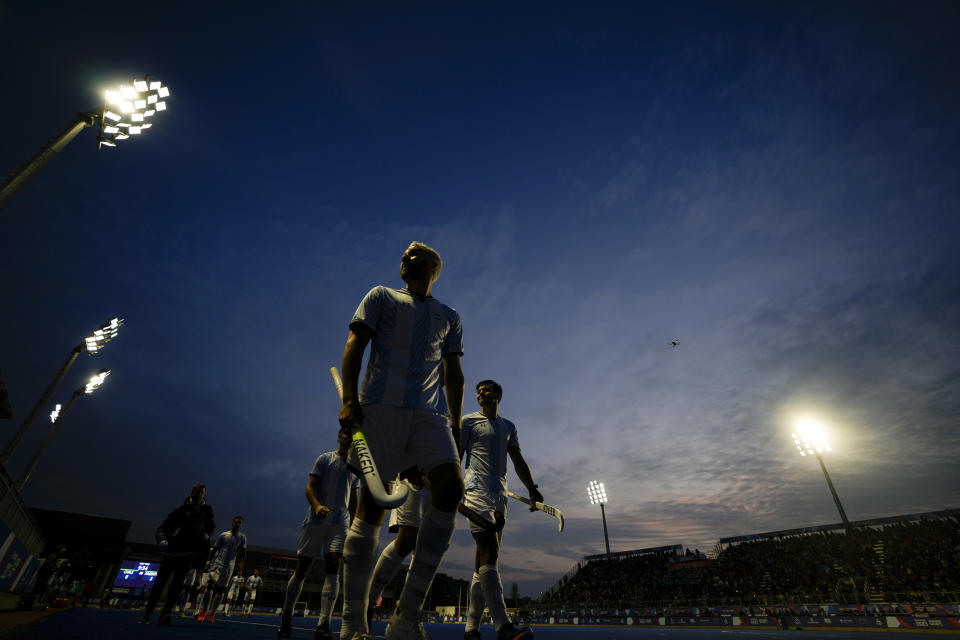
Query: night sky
{"type": "Point", "coordinates": [774, 185]}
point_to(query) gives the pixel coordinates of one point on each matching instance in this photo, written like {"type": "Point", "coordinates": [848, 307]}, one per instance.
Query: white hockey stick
{"type": "Point", "coordinates": [547, 509]}
{"type": "Point", "coordinates": [367, 466]}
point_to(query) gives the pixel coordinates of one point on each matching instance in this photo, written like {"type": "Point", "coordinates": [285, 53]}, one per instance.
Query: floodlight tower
{"type": "Point", "coordinates": [598, 495]}
{"type": "Point", "coordinates": [137, 104]}
{"type": "Point", "coordinates": [92, 344]}
{"type": "Point", "coordinates": [811, 439]}
{"type": "Point", "coordinates": [56, 418]}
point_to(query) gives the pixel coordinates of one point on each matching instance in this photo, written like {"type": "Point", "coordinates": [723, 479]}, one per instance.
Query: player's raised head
{"type": "Point", "coordinates": [237, 523]}
{"type": "Point", "coordinates": [198, 494]}
{"type": "Point", "coordinates": [420, 262]}
{"type": "Point", "coordinates": [489, 388]}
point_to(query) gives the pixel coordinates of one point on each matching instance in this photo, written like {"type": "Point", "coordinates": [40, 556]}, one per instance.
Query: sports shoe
{"type": "Point", "coordinates": [165, 620]}
{"type": "Point", "coordinates": [200, 615]}
{"type": "Point", "coordinates": [210, 617]}
{"type": "Point", "coordinates": [144, 620]}
{"type": "Point", "coordinates": [473, 634]}
{"type": "Point", "coordinates": [181, 615]}
{"type": "Point", "coordinates": [402, 629]}
{"type": "Point", "coordinates": [510, 632]}
{"type": "Point", "coordinates": [323, 631]}
{"type": "Point", "coordinates": [286, 628]}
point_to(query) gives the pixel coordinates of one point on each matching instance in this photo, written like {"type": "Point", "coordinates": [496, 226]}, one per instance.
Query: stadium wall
{"type": "Point", "coordinates": [20, 545]}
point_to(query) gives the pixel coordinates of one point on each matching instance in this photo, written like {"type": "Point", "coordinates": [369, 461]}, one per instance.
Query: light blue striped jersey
{"type": "Point", "coordinates": [410, 339]}
{"type": "Point", "coordinates": [485, 443]}
{"type": "Point", "coordinates": [336, 480]}
{"type": "Point", "coordinates": [226, 549]}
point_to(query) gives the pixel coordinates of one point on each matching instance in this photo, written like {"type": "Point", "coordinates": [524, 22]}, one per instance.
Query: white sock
{"type": "Point", "coordinates": [493, 593]}
{"type": "Point", "coordinates": [388, 564]}
{"type": "Point", "coordinates": [359, 550]}
{"type": "Point", "coordinates": [331, 589]}
{"type": "Point", "coordinates": [294, 587]}
{"type": "Point", "coordinates": [432, 541]}
{"type": "Point", "coordinates": [477, 603]}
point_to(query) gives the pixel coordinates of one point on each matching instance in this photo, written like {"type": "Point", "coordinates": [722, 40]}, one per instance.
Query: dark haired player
{"type": "Point", "coordinates": [231, 547]}
{"type": "Point", "coordinates": [183, 538]}
{"type": "Point", "coordinates": [332, 496]}
{"type": "Point", "coordinates": [487, 439]}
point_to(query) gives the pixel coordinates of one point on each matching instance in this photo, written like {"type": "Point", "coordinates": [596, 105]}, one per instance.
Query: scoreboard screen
{"type": "Point", "coordinates": [136, 575]}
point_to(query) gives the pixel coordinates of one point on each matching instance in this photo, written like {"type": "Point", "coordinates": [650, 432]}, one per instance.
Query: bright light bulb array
{"type": "Point", "coordinates": [55, 414]}
{"type": "Point", "coordinates": [135, 103]}
{"type": "Point", "coordinates": [810, 438]}
{"type": "Point", "coordinates": [596, 492]}
{"type": "Point", "coordinates": [96, 380]}
{"type": "Point", "coordinates": [107, 332]}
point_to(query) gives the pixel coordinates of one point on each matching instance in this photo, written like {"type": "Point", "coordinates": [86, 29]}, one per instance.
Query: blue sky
{"type": "Point", "coordinates": [772, 184]}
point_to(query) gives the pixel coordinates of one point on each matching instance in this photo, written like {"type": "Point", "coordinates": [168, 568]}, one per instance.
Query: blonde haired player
{"type": "Point", "coordinates": [408, 419]}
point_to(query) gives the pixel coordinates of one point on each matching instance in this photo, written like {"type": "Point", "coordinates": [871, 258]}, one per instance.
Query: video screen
{"type": "Point", "coordinates": [136, 575]}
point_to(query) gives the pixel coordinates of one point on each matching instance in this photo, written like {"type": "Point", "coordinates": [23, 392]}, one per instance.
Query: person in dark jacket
{"type": "Point", "coordinates": [184, 540]}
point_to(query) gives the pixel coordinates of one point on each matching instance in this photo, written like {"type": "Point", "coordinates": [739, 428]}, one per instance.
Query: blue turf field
{"type": "Point", "coordinates": [121, 624]}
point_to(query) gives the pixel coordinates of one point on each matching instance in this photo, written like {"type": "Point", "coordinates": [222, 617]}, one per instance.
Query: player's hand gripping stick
{"type": "Point", "coordinates": [367, 466]}
{"type": "Point", "coordinates": [547, 509]}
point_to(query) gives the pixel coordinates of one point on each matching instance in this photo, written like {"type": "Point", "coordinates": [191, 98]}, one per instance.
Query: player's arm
{"type": "Point", "coordinates": [360, 334]}
{"type": "Point", "coordinates": [523, 472]}
{"type": "Point", "coordinates": [453, 385]}
{"type": "Point", "coordinates": [314, 485]}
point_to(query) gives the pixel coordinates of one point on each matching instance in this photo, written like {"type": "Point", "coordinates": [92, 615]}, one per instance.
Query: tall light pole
{"type": "Point", "coordinates": [92, 344]}
{"type": "Point", "coordinates": [598, 495]}
{"type": "Point", "coordinates": [811, 439]}
{"type": "Point", "coordinates": [136, 103]}
{"type": "Point", "coordinates": [56, 418]}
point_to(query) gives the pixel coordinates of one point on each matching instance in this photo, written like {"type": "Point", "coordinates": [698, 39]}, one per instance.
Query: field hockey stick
{"type": "Point", "coordinates": [547, 509]}
{"type": "Point", "coordinates": [367, 465]}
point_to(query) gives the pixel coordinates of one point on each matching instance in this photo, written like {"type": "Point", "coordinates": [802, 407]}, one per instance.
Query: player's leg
{"type": "Point", "coordinates": [305, 555]}
{"type": "Point", "coordinates": [434, 451]}
{"type": "Point", "coordinates": [475, 610]}
{"type": "Point", "coordinates": [180, 569]}
{"type": "Point", "coordinates": [331, 586]}
{"type": "Point", "coordinates": [405, 522]}
{"type": "Point", "coordinates": [163, 575]}
{"type": "Point", "coordinates": [385, 428]}
{"type": "Point", "coordinates": [487, 554]}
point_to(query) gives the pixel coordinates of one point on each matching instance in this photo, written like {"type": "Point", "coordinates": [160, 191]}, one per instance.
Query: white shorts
{"type": "Point", "coordinates": [232, 594]}
{"type": "Point", "coordinates": [251, 595]}
{"type": "Point", "coordinates": [401, 438]}
{"type": "Point", "coordinates": [410, 513]}
{"type": "Point", "coordinates": [484, 504]}
{"type": "Point", "coordinates": [317, 540]}
{"type": "Point", "coordinates": [220, 576]}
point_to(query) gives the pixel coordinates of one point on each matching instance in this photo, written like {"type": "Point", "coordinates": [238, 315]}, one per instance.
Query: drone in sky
{"type": "Point", "coordinates": [675, 343]}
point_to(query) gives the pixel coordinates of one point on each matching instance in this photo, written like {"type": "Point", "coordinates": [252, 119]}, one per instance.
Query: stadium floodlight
{"type": "Point", "coordinates": [92, 344]}
{"type": "Point", "coordinates": [142, 98]}
{"type": "Point", "coordinates": [810, 439]}
{"type": "Point", "coordinates": [136, 102]}
{"type": "Point", "coordinates": [57, 417]}
{"type": "Point", "coordinates": [598, 495]}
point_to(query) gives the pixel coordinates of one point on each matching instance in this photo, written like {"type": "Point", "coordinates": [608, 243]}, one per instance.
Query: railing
{"type": "Point", "coordinates": [15, 515]}
{"type": "Point", "coordinates": [761, 600]}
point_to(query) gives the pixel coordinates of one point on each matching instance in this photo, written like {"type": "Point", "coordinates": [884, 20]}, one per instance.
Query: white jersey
{"type": "Point", "coordinates": [254, 582]}
{"type": "Point", "coordinates": [336, 481]}
{"type": "Point", "coordinates": [485, 443]}
{"type": "Point", "coordinates": [227, 548]}
{"type": "Point", "coordinates": [235, 584]}
{"type": "Point", "coordinates": [410, 339]}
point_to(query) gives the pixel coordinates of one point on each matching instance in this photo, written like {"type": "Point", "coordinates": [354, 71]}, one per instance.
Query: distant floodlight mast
{"type": "Point", "coordinates": [598, 495]}
{"type": "Point", "coordinates": [811, 440]}
{"type": "Point", "coordinates": [57, 417]}
{"type": "Point", "coordinates": [126, 111]}
{"type": "Point", "coordinates": [92, 344]}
